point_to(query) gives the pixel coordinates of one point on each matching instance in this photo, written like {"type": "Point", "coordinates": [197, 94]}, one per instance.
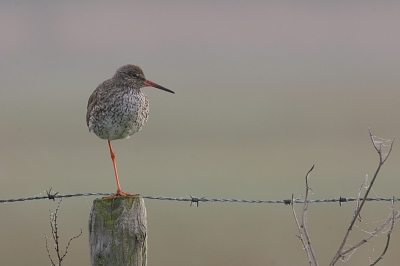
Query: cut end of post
{"type": "Point", "coordinates": [118, 231]}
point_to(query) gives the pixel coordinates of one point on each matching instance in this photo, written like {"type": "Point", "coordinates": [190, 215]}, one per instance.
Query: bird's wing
{"type": "Point", "coordinates": [97, 101]}
{"type": "Point", "coordinates": [91, 104]}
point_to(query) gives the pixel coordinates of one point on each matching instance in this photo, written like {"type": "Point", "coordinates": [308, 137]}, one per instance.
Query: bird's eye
{"type": "Point", "coordinates": [135, 75]}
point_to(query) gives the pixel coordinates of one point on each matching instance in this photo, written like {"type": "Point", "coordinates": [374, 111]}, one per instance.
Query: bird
{"type": "Point", "coordinates": [118, 108]}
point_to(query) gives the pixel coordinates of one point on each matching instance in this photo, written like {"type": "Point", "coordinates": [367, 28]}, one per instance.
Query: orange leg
{"type": "Point", "coordinates": [119, 190]}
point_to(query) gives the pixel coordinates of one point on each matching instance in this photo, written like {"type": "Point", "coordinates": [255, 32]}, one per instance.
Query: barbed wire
{"type": "Point", "coordinates": [193, 199]}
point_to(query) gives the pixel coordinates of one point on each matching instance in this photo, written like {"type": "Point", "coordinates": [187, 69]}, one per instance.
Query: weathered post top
{"type": "Point", "coordinates": [118, 232]}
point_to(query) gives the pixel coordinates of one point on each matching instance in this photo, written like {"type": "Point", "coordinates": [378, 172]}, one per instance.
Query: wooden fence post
{"type": "Point", "coordinates": [118, 232]}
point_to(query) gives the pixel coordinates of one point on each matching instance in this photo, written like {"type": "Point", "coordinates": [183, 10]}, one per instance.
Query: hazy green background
{"type": "Point", "coordinates": [264, 90]}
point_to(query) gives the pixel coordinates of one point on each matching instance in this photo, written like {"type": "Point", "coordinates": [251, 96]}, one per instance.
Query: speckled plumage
{"type": "Point", "coordinates": [118, 108]}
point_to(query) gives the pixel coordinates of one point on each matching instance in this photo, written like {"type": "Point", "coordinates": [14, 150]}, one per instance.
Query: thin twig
{"type": "Point", "coordinates": [370, 235]}
{"type": "Point", "coordinates": [48, 251]}
{"type": "Point", "coordinates": [300, 236]}
{"type": "Point", "coordinates": [382, 160]}
{"type": "Point", "coordinates": [69, 242]}
{"type": "Point", "coordinates": [394, 217]}
{"type": "Point", "coordinates": [303, 219]}
{"type": "Point", "coordinates": [54, 233]}
{"type": "Point", "coordinates": [359, 197]}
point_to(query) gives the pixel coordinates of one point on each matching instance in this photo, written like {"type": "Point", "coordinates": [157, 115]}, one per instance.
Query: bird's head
{"type": "Point", "coordinates": [133, 75]}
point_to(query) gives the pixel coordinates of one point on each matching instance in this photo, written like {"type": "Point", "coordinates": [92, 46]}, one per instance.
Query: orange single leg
{"type": "Point", "coordinates": [119, 190]}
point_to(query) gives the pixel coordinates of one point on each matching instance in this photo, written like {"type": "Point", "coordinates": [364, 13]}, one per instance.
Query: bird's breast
{"type": "Point", "coordinates": [121, 116]}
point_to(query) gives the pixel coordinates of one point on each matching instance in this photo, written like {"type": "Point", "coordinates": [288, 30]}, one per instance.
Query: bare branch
{"type": "Point", "coordinates": [370, 235]}
{"type": "Point", "coordinates": [394, 217]}
{"type": "Point", "coordinates": [54, 233]}
{"type": "Point", "coordinates": [69, 242]}
{"type": "Point", "coordinates": [359, 196]}
{"type": "Point", "coordinates": [378, 146]}
{"type": "Point", "coordinates": [303, 228]}
{"type": "Point", "coordinates": [382, 159]}
{"type": "Point", "coordinates": [48, 251]}
{"type": "Point", "coordinates": [300, 236]}
{"type": "Point", "coordinates": [303, 219]}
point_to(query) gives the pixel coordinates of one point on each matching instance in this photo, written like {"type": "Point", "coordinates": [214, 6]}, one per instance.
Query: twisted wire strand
{"type": "Point", "coordinates": [193, 199]}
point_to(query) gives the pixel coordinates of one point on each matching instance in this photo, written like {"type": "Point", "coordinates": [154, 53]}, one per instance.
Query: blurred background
{"type": "Point", "coordinates": [264, 90]}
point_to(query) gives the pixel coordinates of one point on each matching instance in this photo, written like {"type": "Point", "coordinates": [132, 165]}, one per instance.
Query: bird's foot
{"type": "Point", "coordinates": [120, 193]}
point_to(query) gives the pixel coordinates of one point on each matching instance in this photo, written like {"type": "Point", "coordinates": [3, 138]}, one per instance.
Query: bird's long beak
{"type": "Point", "coordinates": [155, 85]}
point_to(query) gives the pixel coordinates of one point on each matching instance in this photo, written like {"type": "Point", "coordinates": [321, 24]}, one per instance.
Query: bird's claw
{"type": "Point", "coordinates": [121, 194]}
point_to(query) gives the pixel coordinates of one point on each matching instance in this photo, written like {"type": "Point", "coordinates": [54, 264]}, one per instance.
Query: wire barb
{"type": "Point", "coordinates": [51, 196]}
{"type": "Point", "coordinates": [195, 200]}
